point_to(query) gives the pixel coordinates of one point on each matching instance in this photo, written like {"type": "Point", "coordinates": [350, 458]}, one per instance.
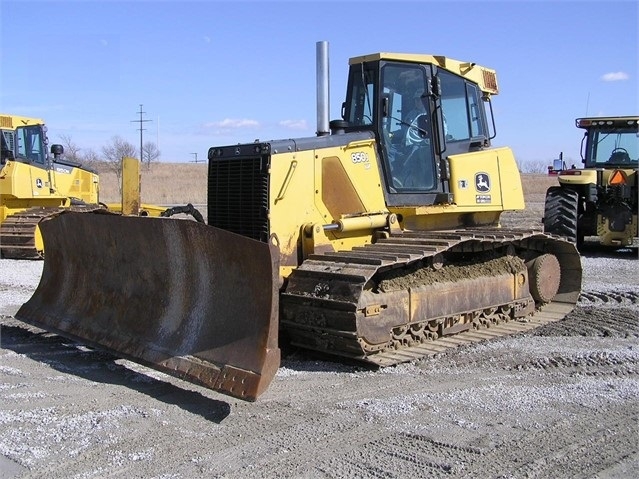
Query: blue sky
{"type": "Point", "coordinates": [214, 73]}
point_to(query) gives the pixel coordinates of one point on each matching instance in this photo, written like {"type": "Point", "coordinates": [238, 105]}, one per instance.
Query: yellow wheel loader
{"type": "Point", "coordinates": [600, 199]}
{"type": "Point", "coordinates": [377, 240]}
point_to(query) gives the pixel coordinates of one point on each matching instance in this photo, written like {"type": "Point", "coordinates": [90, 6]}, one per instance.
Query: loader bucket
{"type": "Point", "coordinates": [182, 297]}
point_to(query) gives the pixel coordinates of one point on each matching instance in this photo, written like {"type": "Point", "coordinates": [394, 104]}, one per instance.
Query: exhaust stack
{"type": "Point", "coordinates": [323, 97]}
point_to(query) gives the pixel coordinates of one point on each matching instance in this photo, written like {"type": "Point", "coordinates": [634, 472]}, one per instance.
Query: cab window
{"type": "Point", "coordinates": [461, 107]}
{"type": "Point", "coordinates": [406, 130]}
{"type": "Point", "coordinates": [618, 147]}
{"type": "Point", "coordinates": [31, 144]}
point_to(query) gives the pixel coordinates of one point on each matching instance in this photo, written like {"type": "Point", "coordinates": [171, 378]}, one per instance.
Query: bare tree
{"type": "Point", "coordinates": [71, 150]}
{"type": "Point", "coordinates": [536, 166]}
{"type": "Point", "coordinates": [150, 153]}
{"type": "Point", "coordinates": [114, 152]}
{"type": "Point", "coordinates": [91, 159]}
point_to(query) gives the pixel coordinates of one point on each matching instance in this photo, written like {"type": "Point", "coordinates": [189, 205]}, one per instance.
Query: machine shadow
{"type": "Point", "coordinates": [70, 357]}
{"type": "Point", "coordinates": [595, 250]}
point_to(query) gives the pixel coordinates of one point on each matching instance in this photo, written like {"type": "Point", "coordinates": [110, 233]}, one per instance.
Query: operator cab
{"type": "Point", "coordinates": [610, 142]}
{"type": "Point", "coordinates": [26, 144]}
{"type": "Point", "coordinates": [420, 113]}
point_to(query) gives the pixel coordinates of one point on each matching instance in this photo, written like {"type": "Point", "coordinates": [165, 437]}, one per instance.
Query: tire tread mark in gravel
{"type": "Point", "coordinates": [555, 452]}
{"type": "Point", "coordinates": [624, 366]}
{"type": "Point", "coordinates": [405, 455]}
{"type": "Point", "coordinates": [609, 297]}
{"type": "Point", "coordinates": [594, 321]}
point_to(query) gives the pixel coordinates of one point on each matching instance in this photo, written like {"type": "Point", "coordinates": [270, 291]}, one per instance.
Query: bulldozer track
{"type": "Point", "coordinates": [17, 232]}
{"type": "Point", "coordinates": [323, 311]}
{"type": "Point", "coordinates": [551, 313]}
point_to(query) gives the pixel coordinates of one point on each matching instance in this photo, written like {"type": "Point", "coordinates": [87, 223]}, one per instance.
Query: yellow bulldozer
{"type": "Point", "coordinates": [599, 201]}
{"type": "Point", "coordinates": [35, 185]}
{"type": "Point", "coordinates": [377, 240]}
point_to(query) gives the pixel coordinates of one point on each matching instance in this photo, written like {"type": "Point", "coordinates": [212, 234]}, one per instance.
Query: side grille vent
{"type": "Point", "coordinates": [9, 137]}
{"type": "Point", "coordinates": [6, 121]}
{"type": "Point", "coordinates": [490, 81]}
{"type": "Point", "coordinates": [238, 196]}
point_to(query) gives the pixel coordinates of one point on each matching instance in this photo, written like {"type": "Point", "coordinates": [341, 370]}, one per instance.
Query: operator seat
{"type": "Point", "coordinates": [619, 156]}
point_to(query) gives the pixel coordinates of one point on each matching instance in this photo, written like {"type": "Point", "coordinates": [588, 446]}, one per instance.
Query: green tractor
{"type": "Point", "coordinates": [600, 199]}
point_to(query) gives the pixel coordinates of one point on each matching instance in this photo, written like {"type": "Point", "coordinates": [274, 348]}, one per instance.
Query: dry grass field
{"type": "Point", "coordinates": [535, 186]}
{"type": "Point", "coordinates": [162, 184]}
{"type": "Point", "coordinates": [181, 183]}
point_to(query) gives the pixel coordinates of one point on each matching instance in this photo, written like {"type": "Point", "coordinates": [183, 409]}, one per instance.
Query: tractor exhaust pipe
{"type": "Point", "coordinates": [323, 97]}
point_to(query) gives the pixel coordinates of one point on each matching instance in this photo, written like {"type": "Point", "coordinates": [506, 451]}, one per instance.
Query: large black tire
{"type": "Point", "coordinates": [561, 213]}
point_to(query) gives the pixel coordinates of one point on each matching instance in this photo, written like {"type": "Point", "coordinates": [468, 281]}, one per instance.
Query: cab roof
{"type": "Point", "coordinates": [607, 121]}
{"type": "Point", "coordinates": [485, 78]}
{"type": "Point", "coordinates": [13, 121]}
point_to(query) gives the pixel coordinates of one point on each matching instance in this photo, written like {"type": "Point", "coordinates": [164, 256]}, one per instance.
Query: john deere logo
{"type": "Point", "coordinates": [482, 182]}
{"type": "Point", "coordinates": [38, 183]}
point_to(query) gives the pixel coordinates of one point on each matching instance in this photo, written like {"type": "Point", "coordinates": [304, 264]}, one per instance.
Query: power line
{"type": "Point", "coordinates": [141, 122]}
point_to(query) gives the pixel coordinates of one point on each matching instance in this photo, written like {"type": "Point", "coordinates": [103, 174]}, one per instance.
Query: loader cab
{"type": "Point", "coordinates": [611, 142]}
{"type": "Point", "coordinates": [420, 114]}
{"type": "Point", "coordinates": [24, 140]}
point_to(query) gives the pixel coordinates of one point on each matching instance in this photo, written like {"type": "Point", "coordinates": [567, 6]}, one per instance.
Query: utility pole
{"type": "Point", "coordinates": [141, 122]}
{"type": "Point", "coordinates": [195, 154]}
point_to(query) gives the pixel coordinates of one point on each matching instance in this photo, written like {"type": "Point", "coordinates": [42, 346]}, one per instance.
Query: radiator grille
{"type": "Point", "coordinates": [238, 196]}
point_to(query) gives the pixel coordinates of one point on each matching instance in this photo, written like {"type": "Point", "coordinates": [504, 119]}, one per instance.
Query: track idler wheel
{"type": "Point", "coordinates": [544, 275]}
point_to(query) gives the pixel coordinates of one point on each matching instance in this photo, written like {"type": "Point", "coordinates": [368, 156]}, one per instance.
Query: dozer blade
{"type": "Point", "coordinates": [184, 298]}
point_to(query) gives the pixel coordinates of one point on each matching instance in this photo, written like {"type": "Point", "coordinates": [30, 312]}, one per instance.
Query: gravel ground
{"type": "Point", "coordinates": [558, 401]}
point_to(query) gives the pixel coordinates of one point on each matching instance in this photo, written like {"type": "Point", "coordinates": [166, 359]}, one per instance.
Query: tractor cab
{"type": "Point", "coordinates": [611, 142]}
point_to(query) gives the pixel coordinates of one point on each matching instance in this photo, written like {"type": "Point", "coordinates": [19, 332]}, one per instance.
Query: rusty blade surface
{"type": "Point", "coordinates": [182, 297]}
